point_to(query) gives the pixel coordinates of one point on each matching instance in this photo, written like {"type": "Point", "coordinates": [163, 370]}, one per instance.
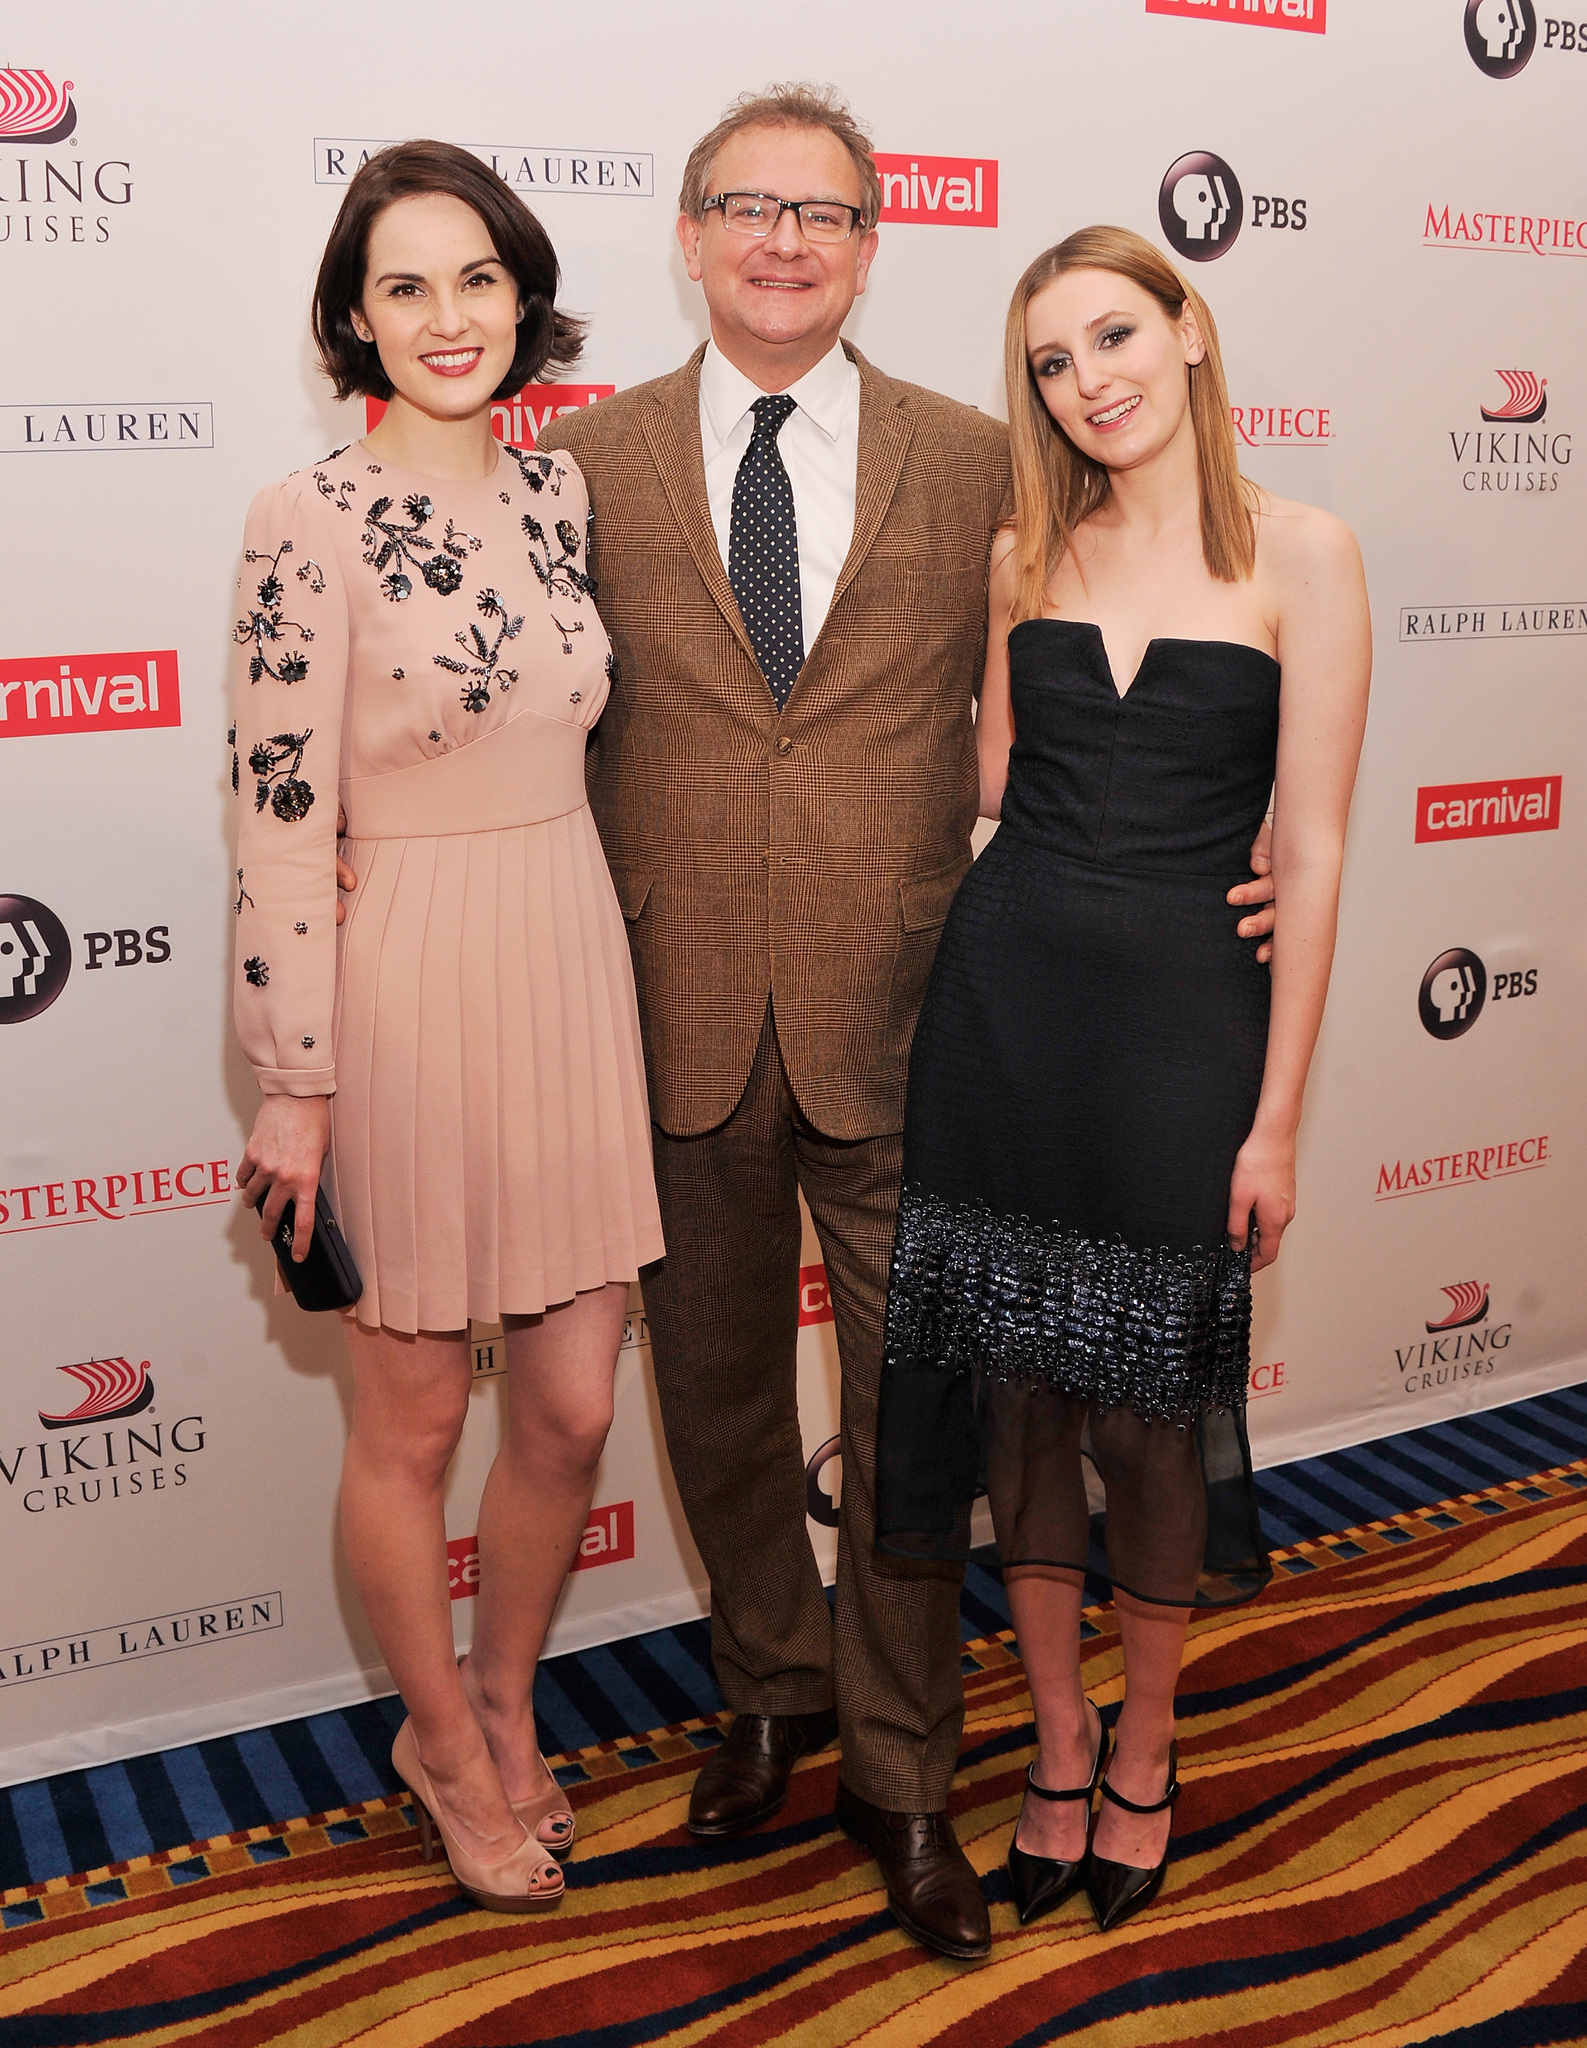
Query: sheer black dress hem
{"type": "Point", "coordinates": [984, 1306]}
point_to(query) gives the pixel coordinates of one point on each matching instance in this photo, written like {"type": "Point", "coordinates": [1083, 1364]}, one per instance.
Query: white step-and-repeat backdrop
{"type": "Point", "coordinates": [1384, 207]}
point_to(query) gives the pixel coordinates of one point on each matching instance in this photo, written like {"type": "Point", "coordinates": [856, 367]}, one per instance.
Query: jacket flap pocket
{"type": "Point", "coordinates": [633, 887]}
{"type": "Point", "coordinates": [926, 898]}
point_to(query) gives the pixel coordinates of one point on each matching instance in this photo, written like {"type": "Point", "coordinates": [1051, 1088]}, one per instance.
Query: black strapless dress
{"type": "Point", "coordinates": [1086, 1066]}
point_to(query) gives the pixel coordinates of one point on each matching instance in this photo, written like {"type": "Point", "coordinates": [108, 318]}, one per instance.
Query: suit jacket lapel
{"type": "Point", "coordinates": [885, 433]}
{"type": "Point", "coordinates": [672, 431]}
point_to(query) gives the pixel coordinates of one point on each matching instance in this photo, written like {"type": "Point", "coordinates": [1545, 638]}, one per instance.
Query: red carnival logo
{"type": "Point", "coordinates": [35, 109]}
{"type": "Point", "coordinates": [953, 191]}
{"type": "Point", "coordinates": [1457, 1169]}
{"type": "Point", "coordinates": [1281, 426]}
{"type": "Point", "coordinates": [520, 420]}
{"type": "Point", "coordinates": [1309, 15]}
{"type": "Point", "coordinates": [608, 1539]}
{"type": "Point", "coordinates": [115, 1388]}
{"type": "Point", "coordinates": [88, 693]}
{"type": "Point", "coordinates": [1483, 810]}
{"type": "Point", "coordinates": [815, 1297]}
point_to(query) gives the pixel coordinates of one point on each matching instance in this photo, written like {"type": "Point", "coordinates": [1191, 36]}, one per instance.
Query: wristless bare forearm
{"type": "Point", "coordinates": [1303, 950]}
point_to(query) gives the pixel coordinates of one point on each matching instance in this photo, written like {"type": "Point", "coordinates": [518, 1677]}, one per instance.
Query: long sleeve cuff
{"type": "Point", "coordinates": [296, 1080]}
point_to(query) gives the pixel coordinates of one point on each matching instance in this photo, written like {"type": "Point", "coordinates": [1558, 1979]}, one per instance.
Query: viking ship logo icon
{"type": "Point", "coordinates": [33, 108]}
{"type": "Point", "coordinates": [1468, 1304]}
{"type": "Point", "coordinates": [114, 1388]}
{"type": "Point", "coordinates": [1527, 403]}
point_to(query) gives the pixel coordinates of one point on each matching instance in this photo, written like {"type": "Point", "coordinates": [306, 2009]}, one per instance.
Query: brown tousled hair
{"type": "Point", "coordinates": [1055, 486]}
{"type": "Point", "coordinates": [784, 106]}
{"type": "Point", "coordinates": [547, 339]}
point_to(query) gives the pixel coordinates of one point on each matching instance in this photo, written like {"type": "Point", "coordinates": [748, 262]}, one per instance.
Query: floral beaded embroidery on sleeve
{"type": "Point", "coordinates": [267, 623]}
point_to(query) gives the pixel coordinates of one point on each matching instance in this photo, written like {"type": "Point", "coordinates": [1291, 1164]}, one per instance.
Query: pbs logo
{"type": "Point", "coordinates": [1452, 993]}
{"type": "Point", "coordinates": [1200, 205]}
{"type": "Point", "coordinates": [35, 958]}
{"type": "Point", "coordinates": [1501, 35]}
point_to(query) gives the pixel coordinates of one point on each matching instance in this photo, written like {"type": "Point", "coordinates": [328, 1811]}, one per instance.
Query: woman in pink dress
{"type": "Point", "coordinates": [418, 639]}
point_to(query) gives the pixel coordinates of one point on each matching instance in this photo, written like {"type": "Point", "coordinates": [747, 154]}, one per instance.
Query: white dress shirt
{"type": "Point", "coordinates": [820, 448]}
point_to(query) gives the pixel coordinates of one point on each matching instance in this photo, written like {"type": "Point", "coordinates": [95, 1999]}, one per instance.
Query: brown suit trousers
{"type": "Point", "coordinates": [785, 876]}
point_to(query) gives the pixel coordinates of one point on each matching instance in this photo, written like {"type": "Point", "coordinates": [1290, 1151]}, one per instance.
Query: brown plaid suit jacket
{"type": "Point", "coordinates": [809, 855]}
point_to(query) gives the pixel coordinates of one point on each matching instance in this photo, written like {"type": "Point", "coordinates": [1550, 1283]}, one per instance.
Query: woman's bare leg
{"type": "Point", "coordinates": [534, 1510]}
{"type": "Point", "coordinates": [1046, 1610]}
{"type": "Point", "coordinates": [410, 1396]}
{"type": "Point", "coordinates": [1154, 1648]}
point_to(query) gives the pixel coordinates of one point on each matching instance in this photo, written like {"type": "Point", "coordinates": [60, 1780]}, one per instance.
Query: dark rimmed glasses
{"type": "Point", "coordinates": [757, 213]}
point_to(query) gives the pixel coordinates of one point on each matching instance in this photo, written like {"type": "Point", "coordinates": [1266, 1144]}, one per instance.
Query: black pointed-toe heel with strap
{"type": "Point", "coordinates": [1039, 1883]}
{"type": "Point", "coordinates": [1116, 1890]}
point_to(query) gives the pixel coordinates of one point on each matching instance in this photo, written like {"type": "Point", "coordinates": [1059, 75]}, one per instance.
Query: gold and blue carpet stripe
{"type": "Point", "coordinates": [1381, 1841]}
{"type": "Point", "coordinates": [83, 1820]}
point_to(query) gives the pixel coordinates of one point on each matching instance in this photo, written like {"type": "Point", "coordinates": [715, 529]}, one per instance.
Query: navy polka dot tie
{"type": "Point", "coordinates": [763, 552]}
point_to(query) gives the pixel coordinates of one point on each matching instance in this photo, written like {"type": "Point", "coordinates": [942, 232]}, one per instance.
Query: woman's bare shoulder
{"type": "Point", "coordinates": [1296, 542]}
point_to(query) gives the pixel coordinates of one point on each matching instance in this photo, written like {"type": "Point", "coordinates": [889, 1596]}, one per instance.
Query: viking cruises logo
{"type": "Point", "coordinates": [106, 1448]}
{"type": "Point", "coordinates": [33, 108]}
{"type": "Point", "coordinates": [49, 194]}
{"type": "Point", "coordinates": [113, 1388]}
{"type": "Point", "coordinates": [1517, 454]}
{"type": "Point", "coordinates": [1461, 1344]}
{"type": "Point", "coordinates": [35, 958]}
{"type": "Point", "coordinates": [1468, 1301]}
{"type": "Point", "coordinates": [1528, 400]}
{"type": "Point", "coordinates": [1501, 35]}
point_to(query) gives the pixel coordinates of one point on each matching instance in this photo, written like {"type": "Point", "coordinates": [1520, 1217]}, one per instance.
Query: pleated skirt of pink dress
{"type": "Point", "coordinates": [490, 1133]}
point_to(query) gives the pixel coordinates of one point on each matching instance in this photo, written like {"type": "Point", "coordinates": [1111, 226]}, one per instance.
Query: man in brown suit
{"type": "Point", "coordinates": [785, 869]}
{"type": "Point", "coordinates": [785, 783]}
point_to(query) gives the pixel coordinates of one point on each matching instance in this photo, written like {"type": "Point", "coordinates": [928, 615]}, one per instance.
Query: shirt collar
{"type": "Point", "coordinates": [822, 392]}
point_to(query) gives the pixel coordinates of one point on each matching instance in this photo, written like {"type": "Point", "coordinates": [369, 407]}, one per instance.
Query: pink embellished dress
{"type": "Point", "coordinates": [429, 652]}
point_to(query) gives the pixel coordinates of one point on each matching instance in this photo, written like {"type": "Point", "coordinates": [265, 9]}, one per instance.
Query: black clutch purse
{"type": "Point", "coordinates": [327, 1278]}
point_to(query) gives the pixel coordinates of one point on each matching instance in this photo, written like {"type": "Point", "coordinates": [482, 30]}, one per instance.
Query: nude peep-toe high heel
{"type": "Point", "coordinates": [523, 1882]}
{"type": "Point", "coordinates": [550, 1806]}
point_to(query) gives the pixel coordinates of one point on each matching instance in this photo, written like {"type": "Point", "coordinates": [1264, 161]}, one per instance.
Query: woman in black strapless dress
{"type": "Point", "coordinates": [1105, 1084]}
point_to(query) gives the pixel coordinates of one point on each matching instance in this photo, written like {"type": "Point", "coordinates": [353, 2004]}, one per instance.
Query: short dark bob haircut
{"type": "Point", "coordinates": [547, 339]}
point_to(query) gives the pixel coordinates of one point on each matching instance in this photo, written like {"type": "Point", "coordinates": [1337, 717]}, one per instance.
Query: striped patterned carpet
{"type": "Point", "coordinates": [1381, 1841]}
{"type": "Point", "coordinates": [85, 1820]}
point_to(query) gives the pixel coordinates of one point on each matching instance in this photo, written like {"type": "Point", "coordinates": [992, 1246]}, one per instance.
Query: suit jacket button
{"type": "Point", "coordinates": [785, 745]}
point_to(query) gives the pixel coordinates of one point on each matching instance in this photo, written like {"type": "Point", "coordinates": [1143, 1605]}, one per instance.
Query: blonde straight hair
{"type": "Point", "coordinates": [1055, 486]}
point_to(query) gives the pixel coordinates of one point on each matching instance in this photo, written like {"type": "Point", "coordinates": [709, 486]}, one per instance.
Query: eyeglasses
{"type": "Point", "coordinates": [758, 213]}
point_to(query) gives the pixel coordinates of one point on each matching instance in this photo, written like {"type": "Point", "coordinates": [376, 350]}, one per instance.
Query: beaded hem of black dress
{"type": "Point", "coordinates": [981, 1303]}
{"type": "Point", "coordinates": [1168, 1333]}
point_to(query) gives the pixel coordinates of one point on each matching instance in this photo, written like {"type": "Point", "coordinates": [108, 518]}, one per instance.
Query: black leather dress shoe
{"type": "Point", "coordinates": [746, 1780]}
{"type": "Point", "coordinates": [1116, 1890]}
{"type": "Point", "coordinates": [1039, 1883]}
{"type": "Point", "coordinates": [934, 1894]}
